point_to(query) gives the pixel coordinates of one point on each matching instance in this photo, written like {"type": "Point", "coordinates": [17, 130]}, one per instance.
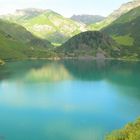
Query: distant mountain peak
{"type": "Point", "coordinates": [31, 11]}
{"type": "Point", "coordinates": [126, 7]}
{"type": "Point", "coordinates": [46, 24]}
{"type": "Point", "coordinates": [26, 14]}
{"type": "Point", "coordinates": [87, 19]}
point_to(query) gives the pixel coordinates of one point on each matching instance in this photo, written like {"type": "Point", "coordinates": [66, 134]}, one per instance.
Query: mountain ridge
{"type": "Point", "coordinates": [124, 8]}
{"type": "Point", "coordinates": [17, 43]}
{"type": "Point", "coordinates": [47, 24]}
{"type": "Point", "coordinates": [87, 19]}
{"type": "Point", "coordinates": [125, 30]}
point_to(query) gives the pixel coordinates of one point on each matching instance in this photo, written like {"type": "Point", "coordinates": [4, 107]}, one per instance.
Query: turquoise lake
{"type": "Point", "coordinates": [67, 100]}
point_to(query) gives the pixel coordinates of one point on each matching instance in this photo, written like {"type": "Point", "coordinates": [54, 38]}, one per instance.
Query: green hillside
{"type": "Point", "coordinates": [16, 31]}
{"type": "Point", "coordinates": [125, 30]}
{"type": "Point", "coordinates": [115, 15]}
{"type": "Point", "coordinates": [47, 24]}
{"type": "Point", "coordinates": [19, 33]}
{"type": "Point", "coordinates": [17, 43]}
{"type": "Point", "coordinates": [87, 19]}
{"type": "Point", "coordinates": [11, 49]}
{"type": "Point", "coordinates": [130, 132]}
{"type": "Point", "coordinates": [91, 43]}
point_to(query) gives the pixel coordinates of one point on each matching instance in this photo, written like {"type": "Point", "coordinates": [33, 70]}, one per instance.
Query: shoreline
{"type": "Point", "coordinates": [70, 58]}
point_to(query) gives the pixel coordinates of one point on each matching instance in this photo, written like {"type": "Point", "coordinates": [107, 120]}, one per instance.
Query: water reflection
{"type": "Point", "coordinates": [123, 73]}
{"type": "Point", "coordinates": [73, 100]}
{"type": "Point", "coordinates": [50, 72]}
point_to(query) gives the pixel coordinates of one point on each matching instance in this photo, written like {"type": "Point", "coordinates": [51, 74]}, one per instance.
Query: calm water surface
{"type": "Point", "coordinates": [67, 100]}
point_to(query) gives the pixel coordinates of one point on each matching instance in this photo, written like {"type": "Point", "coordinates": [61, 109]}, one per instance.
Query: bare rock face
{"type": "Point", "coordinates": [100, 56]}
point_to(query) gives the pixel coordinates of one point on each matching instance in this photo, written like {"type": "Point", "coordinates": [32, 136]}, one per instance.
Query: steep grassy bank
{"type": "Point", "coordinates": [130, 132]}
{"type": "Point", "coordinates": [16, 43]}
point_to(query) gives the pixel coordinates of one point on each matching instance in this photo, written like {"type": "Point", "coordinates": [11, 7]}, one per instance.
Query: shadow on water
{"type": "Point", "coordinates": [122, 74]}
{"type": "Point", "coordinates": [80, 100]}
{"type": "Point", "coordinates": [125, 75]}
{"type": "Point", "coordinates": [117, 72]}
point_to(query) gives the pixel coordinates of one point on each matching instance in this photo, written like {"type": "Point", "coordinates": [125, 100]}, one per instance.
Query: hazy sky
{"type": "Point", "coordinates": [64, 7]}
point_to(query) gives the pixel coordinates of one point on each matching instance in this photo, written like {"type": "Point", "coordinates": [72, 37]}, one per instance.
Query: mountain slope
{"type": "Point", "coordinates": [17, 43]}
{"type": "Point", "coordinates": [125, 30]}
{"type": "Point", "coordinates": [87, 19]}
{"type": "Point", "coordinates": [116, 14]}
{"type": "Point", "coordinates": [94, 44]}
{"type": "Point", "coordinates": [10, 48]}
{"type": "Point", "coordinates": [21, 34]}
{"type": "Point", "coordinates": [47, 24]}
{"type": "Point", "coordinates": [130, 132]}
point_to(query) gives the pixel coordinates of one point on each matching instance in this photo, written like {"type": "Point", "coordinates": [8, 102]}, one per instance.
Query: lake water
{"type": "Point", "coordinates": [67, 100]}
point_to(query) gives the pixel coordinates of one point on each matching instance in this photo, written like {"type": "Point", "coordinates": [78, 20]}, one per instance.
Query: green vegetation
{"type": "Point", "coordinates": [16, 43]}
{"type": "Point", "coordinates": [125, 40]}
{"type": "Point", "coordinates": [1, 62]}
{"type": "Point", "coordinates": [91, 43]}
{"type": "Point", "coordinates": [16, 31]}
{"type": "Point", "coordinates": [99, 25]}
{"type": "Point", "coordinates": [125, 8]}
{"type": "Point", "coordinates": [87, 19]}
{"type": "Point", "coordinates": [130, 132]}
{"type": "Point", "coordinates": [129, 16]}
{"type": "Point", "coordinates": [125, 30]}
{"type": "Point", "coordinates": [14, 50]}
{"type": "Point", "coordinates": [19, 33]}
{"type": "Point", "coordinates": [126, 27]}
{"type": "Point", "coordinates": [11, 49]}
{"type": "Point", "coordinates": [47, 24]}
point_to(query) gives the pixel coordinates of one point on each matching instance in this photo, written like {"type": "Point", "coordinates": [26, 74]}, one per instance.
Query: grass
{"type": "Point", "coordinates": [125, 40]}
{"type": "Point", "coordinates": [52, 26]}
{"type": "Point", "coordinates": [130, 16]}
{"type": "Point", "coordinates": [130, 132]}
{"type": "Point", "coordinates": [11, 49]}
{"type": "Point", "coordinates": [1, 62]}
